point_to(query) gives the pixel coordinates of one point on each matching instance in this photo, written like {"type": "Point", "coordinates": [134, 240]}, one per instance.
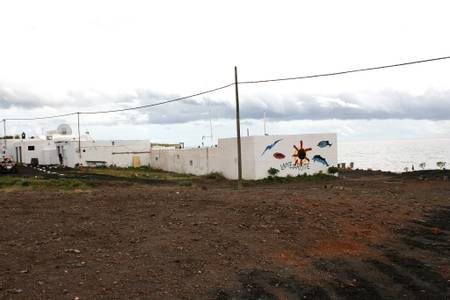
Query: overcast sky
{"type": "Point", "coordinates": [63, 56]}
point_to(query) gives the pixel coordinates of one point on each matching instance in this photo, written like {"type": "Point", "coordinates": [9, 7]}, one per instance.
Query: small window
{"type": "Point", "coordinates": [30, 148]}
{"type": "Point", "coordinates": [178, 156]}
{"type": "Point", "coordinates": [191, 163]}
{"type": "Point", "coordinates": [156, 158]}
{"type": "Point", "coordinates": [84, 150]}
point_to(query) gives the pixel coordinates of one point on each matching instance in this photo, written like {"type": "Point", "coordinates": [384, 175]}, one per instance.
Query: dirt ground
{"type": "Point", "coordinates": [368, 236]}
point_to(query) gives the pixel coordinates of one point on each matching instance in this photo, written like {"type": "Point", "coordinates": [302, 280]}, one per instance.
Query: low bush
{"type": "Point", "coordinates": [273, 171]}
{"type": "Point", "coordinates": [332, 170]}
{"type": "Point", "coordinates": [215, 175]}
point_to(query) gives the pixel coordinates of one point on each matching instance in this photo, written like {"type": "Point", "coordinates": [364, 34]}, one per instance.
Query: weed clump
{"type": "Point", "coordinates": [215, 175]}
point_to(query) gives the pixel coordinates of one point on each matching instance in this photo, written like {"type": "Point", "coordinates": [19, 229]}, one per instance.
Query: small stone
{"type": "Point", "coordinates": [72, 251]}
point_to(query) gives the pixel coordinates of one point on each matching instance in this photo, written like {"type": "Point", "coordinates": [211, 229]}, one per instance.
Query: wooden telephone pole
{"type": "Point", "coordinates": [238, 131]}
{"type": "Point", "coordinates": [4, 136]}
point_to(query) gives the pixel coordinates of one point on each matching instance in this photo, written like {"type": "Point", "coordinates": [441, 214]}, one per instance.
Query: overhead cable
{"type": "Point", "coordinates": [123, 109]}
{"type": "Point", "coordinates": [347, 71]}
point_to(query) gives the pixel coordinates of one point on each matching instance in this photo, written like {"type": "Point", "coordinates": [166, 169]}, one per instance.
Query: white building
{"type": "Point", "coordinates": [60, 147]}
{"type": "Point", "coordinates": [289, 154]}
{"type": "Point", "coordinates": [119, 153]}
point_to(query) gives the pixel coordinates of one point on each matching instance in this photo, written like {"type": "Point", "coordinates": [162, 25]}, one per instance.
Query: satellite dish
{"type": "Point", "coordinates": [64, 129]}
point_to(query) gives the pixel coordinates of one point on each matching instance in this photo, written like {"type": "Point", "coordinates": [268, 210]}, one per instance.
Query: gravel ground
{"type": "Point", "coordinates": [367, 236]}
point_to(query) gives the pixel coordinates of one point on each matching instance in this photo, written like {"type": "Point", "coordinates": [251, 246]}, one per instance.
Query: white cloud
{"type": "Point", "coordinates": [60, 56]}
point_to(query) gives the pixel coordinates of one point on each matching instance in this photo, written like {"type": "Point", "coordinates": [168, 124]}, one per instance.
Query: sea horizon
{"type": "Point", "coordinates": [395, 155]}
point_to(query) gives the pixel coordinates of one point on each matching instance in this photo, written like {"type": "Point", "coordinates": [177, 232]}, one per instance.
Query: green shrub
{"type": "Point", "coordinates": [332, 170]}
{"type": "Point", "coordinates": [214, 175]}
{"type": "Point", "coordinates": [441, 164]}
{"type": "Point", "coordinates": [273, 171]}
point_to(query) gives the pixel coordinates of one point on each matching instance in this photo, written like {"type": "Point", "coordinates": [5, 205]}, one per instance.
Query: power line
{"type": "Point", "coordinates": [231, 84]}
{"type": "Point", "coordinates": [41, 118]}
{"type": "Point", "coordinates": [123, 109]}
{"type": "Point", "coordinates": [158, 103]}
{"type": "Point", "coordinates": [347, 71]}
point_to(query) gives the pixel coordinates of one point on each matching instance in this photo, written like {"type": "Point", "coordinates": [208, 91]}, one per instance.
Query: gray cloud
{"type": "Point", "coordinates": [432, 105]}
{"type": "Point", "coordinates": [77, 100]}
{"type": "Point", "coordinates": [14, 98]}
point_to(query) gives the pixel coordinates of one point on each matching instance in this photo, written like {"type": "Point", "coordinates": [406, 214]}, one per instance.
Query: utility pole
{"type": "Point", "coordinates": [210, 125]}
{"type": "Point", "coordinates": [79, 138]}
{"type": "Point", "coordinates": [4, 135]}
{"type": "Point", "coordinates": [238, 131]}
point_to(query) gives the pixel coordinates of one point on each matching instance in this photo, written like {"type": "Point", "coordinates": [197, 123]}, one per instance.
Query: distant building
{"type": "Point", "coordinates": [290, 155]}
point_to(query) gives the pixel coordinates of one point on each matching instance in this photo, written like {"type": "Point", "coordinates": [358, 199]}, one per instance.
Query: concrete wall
{"type": "Point", "coordinates": [227, 160]}
{"type": "Point", "coordinates": [259, 154]}
{"type": "Point", "coordinates": [187, 161]}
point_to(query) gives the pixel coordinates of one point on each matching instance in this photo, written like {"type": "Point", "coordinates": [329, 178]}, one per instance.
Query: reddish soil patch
{"type": "Point", "coordinates": [356, 238]}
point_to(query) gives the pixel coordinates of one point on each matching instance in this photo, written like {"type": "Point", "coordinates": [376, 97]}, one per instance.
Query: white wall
{"type": "Point", "coordinates": [44, 151]}
{"type": "Point", "coordinates": [117, 153]}
{"type": "Point", "coordinates": [186, 161]}
{"type": "Point", "coordinates": [226, 158]}
{"type": "Point", "coordinates": [255, 161]}
{"type": "Point", "coordinates": [198, 161]}
{"type": "Point", "coordinates": [285, 147]}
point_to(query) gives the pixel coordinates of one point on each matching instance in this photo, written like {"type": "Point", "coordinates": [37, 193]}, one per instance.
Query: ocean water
{"type": "Point", "coordinates": [395, 155]}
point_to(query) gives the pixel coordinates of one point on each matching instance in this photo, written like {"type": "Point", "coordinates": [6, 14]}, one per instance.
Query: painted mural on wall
{"type": "Point", "coordinates": [279, 155]}
{"type": "Point", "coordinates": [320, 159]}
{"type": "Point", "coordinates": [270, 146]}
{"type": "Point", "coordinates": [300, 160]}
{"type": "Point", "coordinates": [300, 154]}
{"type": "Point", "coordinates": [323, 144]}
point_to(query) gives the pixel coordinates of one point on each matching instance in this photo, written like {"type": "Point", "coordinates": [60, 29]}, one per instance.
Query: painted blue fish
{"type": "Point", "coordinates": [269, 147]}
{"type": "Point", "coordinates": [323, 144]}
{"type": "Point", "coordinates": [320, 159]}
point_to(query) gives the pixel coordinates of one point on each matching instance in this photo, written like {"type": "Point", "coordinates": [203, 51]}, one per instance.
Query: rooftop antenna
{"type": "Point", "coordinates": [210, 126]}
{"type": "Point", "coordinates": [264, 119]}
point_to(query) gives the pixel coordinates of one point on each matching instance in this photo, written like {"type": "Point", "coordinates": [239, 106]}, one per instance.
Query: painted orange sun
{"type": "Point", "coordinates": [300, 154]}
